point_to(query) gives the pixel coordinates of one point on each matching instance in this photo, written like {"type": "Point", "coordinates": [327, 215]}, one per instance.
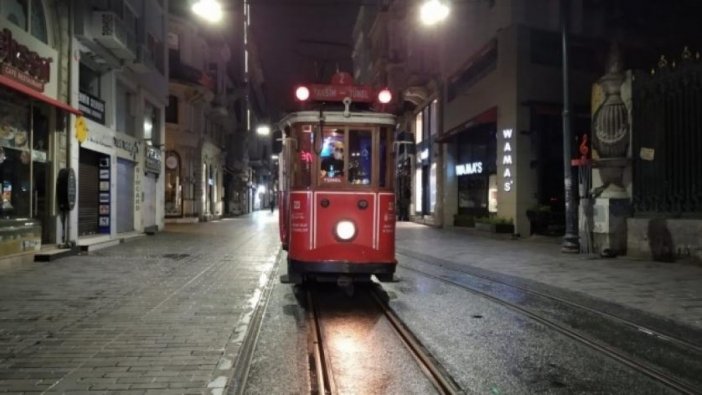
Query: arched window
{"type": "Point", "coordinates": [38, 21]}
{"type": "Point", "coordinates": [27, 15]}
{"type": "Point", "coordinates": [174, 185]}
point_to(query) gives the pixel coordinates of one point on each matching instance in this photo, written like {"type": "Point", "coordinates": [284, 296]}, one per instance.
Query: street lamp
{"type": "Point", "coordinates": [263, 130]}
{"type": "Point", "coordinates": [433, 12]}
{"type": "Point", "coordinates": [571, 241]}
{"type": "Point", "coordinates": [209, 10]}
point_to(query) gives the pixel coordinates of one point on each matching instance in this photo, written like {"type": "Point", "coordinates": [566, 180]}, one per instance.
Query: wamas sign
{"type": "Point", "coordinates": [507, 181]}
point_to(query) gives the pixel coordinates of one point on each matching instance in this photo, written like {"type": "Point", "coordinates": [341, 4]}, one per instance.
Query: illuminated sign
{"type": "Point", "coordinates": [507, 161]}
{"type": "Point", "coordinates": [469, 168]}
{"type": "Point", "coordinates": [22, 64]}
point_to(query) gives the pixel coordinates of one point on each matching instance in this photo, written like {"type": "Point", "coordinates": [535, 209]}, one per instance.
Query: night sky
{"type": "Point", "coordinates": [301, 41]}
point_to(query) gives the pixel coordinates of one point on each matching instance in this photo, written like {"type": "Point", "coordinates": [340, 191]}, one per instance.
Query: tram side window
{"type": "Point", "coordinates": [360, 157]}
{"type": "Point", "coordinates": [332, 158]}
{"type": "Point", "coordinates": [302, 165]}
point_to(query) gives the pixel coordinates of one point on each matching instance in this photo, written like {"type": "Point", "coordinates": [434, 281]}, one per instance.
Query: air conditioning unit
{"type": "Point", "coordinates": [143, 63]}
{"type": "Point", "coordinates": [110, 32]}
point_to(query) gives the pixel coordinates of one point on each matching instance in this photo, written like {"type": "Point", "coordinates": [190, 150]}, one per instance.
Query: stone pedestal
{"type": "Point", "coordinates": [609, 225]}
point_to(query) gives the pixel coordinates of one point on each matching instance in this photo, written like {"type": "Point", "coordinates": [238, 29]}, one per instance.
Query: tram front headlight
{"type": "Point", "coordinates": [345, 230]}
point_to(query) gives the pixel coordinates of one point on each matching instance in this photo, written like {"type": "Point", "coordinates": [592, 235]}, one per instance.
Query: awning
{"type": "Point", "coordinates": [488, 116]}
{"type": "Point", "coordinates": [12, 84]}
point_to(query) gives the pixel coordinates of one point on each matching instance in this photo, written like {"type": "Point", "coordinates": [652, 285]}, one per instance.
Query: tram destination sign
{"type": "Point", "coordinates": [357, 93]}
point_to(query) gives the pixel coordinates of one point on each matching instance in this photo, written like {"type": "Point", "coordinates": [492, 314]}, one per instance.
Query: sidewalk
{"type": "Point", "coordinates": [672, 291]}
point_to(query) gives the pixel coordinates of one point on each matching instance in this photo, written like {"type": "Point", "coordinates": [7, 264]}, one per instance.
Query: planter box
{"type": "Point", "coordinates": [463, 220]}
{"type": "Point", "coordinates": [495, 228]}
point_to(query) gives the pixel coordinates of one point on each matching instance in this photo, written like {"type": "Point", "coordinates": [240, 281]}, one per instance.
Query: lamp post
{"type": "Point", "coordinates": [570, 243]}
{"type": "Point", "coordinates": [209, 10]}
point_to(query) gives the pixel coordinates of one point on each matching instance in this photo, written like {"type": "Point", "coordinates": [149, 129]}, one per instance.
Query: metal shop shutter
{"type": "Point", "coordinates": [88, 192]}
{"type": "Point", "coordinates": [125, 196]}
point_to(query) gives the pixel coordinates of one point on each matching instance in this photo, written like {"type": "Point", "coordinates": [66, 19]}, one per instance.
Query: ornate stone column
{"type": "Point", "coordinates": [611, 135]}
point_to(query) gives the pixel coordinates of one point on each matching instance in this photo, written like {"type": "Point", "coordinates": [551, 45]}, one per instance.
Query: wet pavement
{"type": "Point", "coordinates": [161, 313]}
{"type": "Point", "coordinates": [171, 313]}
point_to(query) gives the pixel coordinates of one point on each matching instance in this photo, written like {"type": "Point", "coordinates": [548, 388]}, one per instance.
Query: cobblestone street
{"type": "Point", "coordinates": [163, 312]}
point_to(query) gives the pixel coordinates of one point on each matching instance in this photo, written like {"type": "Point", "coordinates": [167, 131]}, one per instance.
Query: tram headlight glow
{"type": "Point", "coordinates": [384, 96]}
{"type": "Point", "coordinates": [302, 93]}
{"type": "Point", "coordinates": [345, 230]}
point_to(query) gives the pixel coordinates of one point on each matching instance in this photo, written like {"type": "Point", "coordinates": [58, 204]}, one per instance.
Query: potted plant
{"type": "Point", "coordinates": [495, 224]}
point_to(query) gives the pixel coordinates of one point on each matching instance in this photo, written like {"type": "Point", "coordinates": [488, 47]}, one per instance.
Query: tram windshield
{"type": "Point", "coordinates": [346, 156]}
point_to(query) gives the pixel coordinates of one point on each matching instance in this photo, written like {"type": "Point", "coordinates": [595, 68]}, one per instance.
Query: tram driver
{"type": "Point", "coordinates": [333, 165]}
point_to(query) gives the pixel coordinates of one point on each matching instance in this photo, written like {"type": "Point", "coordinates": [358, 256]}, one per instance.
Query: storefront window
{"type": "Point", "coordinates": [15, 156]}
{"type": "Point", "coordinates": [432, 188]}
{"type": "Point", "coordinates": [418, 128]}
{"type": "Point", "coordinates": [475, 169]}
{"type": "Point", "coordinates": [418, 191]}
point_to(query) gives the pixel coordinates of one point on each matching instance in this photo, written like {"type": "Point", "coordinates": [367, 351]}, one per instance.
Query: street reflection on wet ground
{"type": "Point", "coordinates": [365, 354]}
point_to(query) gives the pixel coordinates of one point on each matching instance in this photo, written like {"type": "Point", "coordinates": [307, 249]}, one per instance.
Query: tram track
{"type": "Point", "coordinates": [322, 375]}
{"type": "Point", "coordinates": [674, 381]}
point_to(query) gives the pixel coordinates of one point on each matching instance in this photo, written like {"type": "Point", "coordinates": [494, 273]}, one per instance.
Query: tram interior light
{"type": "Point", "coordinates": [384, 96]}
{"type": "Point", "coordinates": [302, 93]}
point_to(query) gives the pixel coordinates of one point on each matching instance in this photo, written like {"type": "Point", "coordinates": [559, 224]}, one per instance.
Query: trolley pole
{"type": "Point", "coordinates": [570, 240]}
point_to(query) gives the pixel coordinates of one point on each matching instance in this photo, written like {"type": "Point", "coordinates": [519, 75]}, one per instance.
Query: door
{"type": "Point", "coordinates": [88, 192]}
{"type": "Point", "coordinates": [125, 195]}
{"type": "Point", "coordinates": [149, 204]}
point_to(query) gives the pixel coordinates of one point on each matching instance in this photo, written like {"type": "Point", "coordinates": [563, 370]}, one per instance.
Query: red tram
{"type": "Point", "coordinates": [336, 188]}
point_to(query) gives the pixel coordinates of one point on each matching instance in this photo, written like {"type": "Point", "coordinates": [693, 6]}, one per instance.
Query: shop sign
{"type": "Point", "coordinates": [152, 162]}
{"type": "Point", "coordinates": [507, 180]}
{"type": "Point", "coordinates": [469, 168]}
{"type": "Point", "coordinates": [131, 147]}
{"type": "Point", "coordinates": [21, 64]}
{"type": "Point", "coordinates": [92, 107]}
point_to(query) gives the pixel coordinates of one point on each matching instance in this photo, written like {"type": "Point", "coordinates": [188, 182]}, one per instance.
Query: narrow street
{"type": "Point", "coordinates": [199, 308]}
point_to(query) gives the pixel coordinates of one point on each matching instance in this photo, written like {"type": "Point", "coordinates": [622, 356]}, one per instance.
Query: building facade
{"type": "Point", "coordinates": [119, 83]}
{"type": "Point", "coordinates": [197, 121]}
{"type": "Point", "coordinates": [34, 123]}
{"type": "Point", "coordinates": [482, 99]}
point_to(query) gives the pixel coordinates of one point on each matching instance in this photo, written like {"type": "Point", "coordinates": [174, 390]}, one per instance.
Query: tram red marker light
{"type": "Point", "coordinates": [302, 93]}
{"type": "Point", "coordinates": [384, 96]}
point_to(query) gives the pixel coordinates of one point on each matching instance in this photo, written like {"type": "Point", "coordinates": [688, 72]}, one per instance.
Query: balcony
{"type": "Point", "coordinates": [186, 74]}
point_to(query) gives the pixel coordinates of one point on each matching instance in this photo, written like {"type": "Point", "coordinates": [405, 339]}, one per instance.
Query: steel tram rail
{"type": "Point", "coordinates": [434, 372]}
{"type": "Point", "coordinates": [632, 362]}
{"type": "Point", "coordinates": [237, 383]}
{"type": "Point", "coordinates": [664, 336]}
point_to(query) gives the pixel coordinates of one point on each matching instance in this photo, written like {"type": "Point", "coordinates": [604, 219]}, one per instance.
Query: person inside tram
{"type": "Point", "coordinates": [333, 165]}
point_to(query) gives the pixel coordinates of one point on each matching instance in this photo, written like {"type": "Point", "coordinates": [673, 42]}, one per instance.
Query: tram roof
{"type": "Point", "coordinates": [337, 117]}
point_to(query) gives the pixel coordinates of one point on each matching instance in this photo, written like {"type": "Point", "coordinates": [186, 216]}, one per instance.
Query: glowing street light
{"type": "Point", "coordinates": [263, 130]}
{"type": "Point", "coordinates": [274, 157]}
{"type": "Point", "coordinates": [209, 10]}
{"type": "Point", "coordinates": [433, 12]}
